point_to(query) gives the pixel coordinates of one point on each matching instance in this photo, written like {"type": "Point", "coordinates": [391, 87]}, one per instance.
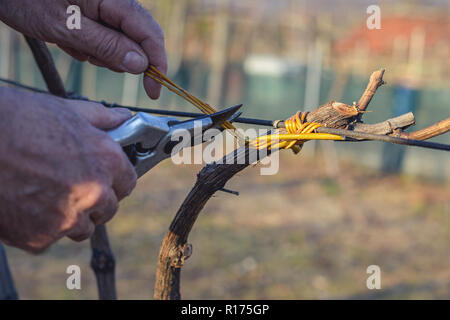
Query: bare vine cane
{"type": "Point", "coordinates": [46, 65]}
{"type": "Point", "coordinates": [102, 260]}
{"type": "Point", "coordinates": [174, 248]}
{"type": "Point", "coordinates": [103, 264]}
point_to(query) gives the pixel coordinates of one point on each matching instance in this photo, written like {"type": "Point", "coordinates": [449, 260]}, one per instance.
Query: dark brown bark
{"type": "Point", "coordinates": [103, 264]}
{"type": "Point", "coordinates": [47, 67]}
{"type": "Point", "coordinates": [174, 249]}
{"type": "Point", "coordinates": [333, 115]}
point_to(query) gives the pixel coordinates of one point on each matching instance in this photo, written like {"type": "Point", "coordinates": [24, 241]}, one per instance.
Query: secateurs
{"type": "Point", "coordinates": [147, 140]}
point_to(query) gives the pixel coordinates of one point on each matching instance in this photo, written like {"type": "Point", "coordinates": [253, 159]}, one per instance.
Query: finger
{"type": "Point", "coordinates": [99, 63]}
{"type": "Point", "coordinates": [141, 27]}
{"type": "Point", "coordinates": [74, 53]}
{"type": "Point", "coordinates": [106, 209]}
{"type": "Point", "coordinates": [121, 173]}
{"type": "Point", "coordinates": [100, 206]}
{"type": "Point", "coordinates": [117, 162]}
{"type": "Point", "coordinates": [138, 25]}
{"type": "Point", "coordinates": [82, 230]}
{"type": "Point", "coordinates": [107, 46]}
{"type": "Point", "coordinates": [152, 88]}
{"type": "Point", "coordinates": [125, 177]}
{"type": "Point", "coordinates": [98, 115]}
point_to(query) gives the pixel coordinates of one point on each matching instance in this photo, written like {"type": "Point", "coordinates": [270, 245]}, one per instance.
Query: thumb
{"type": "Point", "coordinates": [108, 48]}
{"type": "Point", "coordinates": [98, 115]}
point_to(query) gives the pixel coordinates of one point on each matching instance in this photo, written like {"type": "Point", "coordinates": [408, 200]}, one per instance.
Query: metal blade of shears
{"type": "Point", "coordinates": [196, 128]}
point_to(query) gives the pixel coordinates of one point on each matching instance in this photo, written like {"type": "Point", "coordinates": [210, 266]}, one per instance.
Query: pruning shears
{"type": "Point", "coordinates": [147, 140]}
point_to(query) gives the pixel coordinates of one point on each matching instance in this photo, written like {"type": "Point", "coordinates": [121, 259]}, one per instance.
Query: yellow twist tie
{"type": "Point", "coordinates": [159, 77]}
{"type": "Point", "coordinates": [298, 132]}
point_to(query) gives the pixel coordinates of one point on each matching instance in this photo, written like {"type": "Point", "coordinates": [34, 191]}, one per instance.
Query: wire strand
{"type": "Point", "coordinates": [359, 136]}
{"type": "Point", "coordinates": [162, 79]}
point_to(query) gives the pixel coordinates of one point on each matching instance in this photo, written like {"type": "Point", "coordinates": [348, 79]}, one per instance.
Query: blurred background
{"type": "Point", "coordinates": [311, 230]}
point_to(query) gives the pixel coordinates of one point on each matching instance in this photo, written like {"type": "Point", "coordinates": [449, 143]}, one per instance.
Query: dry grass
{"type": "Point", "coordinates": [294, 235]}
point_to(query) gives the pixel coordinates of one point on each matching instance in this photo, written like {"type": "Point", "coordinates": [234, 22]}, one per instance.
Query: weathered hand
{"type": "Point", "coordinates": [60, 175]}
{"type": "Point", "coordinates": [118, 34]}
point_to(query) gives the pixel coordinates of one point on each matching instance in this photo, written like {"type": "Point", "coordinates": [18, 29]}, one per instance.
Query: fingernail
{"type": "Point", "coordinates": [134, 62]}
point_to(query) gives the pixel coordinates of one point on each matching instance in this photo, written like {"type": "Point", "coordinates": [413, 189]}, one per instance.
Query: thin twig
{"type": "Point", "coordinates": [388, 126]}
{"type": "Point", "coordinates": [103, 264]}
{"type": "Point", "coordinates": [375, 81]}
{"type": "Point", "coordinates": [432, 131]}
{"type": "Point", "coordinates": [225, 190]}
{"type": "Point", "coordinates": [378, 137]}
{"type": "Point", "coordinates": [47, 67]}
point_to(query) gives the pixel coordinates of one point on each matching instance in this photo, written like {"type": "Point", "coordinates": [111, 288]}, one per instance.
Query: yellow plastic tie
{"type": "Point", "coordinates": [298, 132]}
{"type": "Point", "coordinates": [162, 79]}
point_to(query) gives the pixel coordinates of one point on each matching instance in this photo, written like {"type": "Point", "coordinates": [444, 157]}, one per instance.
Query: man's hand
{"type": "Point", "coordinates": [60, 174]}
{"type": "Point", "coordinates": [117, 34]}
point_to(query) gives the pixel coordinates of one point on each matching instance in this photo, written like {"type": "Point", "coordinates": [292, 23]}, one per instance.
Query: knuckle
{"type": "Point", "coordinates": [117, 159]}
{"type": "Point", "coordinates": [111, 152]}
{"type": "Point", "coordinates": [82, 230]}
{"type": "Point", "coordinates": [109, 158]}
{"type": "Point", "coordinates": [102, 196]}
{"type": "Point", "coordinates": [82, 236]}
{"type": "Point", "coordinates": [105, 212]}
{"type": "Point", "coordinates": [107, 47]}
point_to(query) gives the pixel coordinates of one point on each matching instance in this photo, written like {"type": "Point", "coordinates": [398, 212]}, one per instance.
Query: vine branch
{"type": "Point", "coordinates": [432, 131]}
{"type": "Point", "coordinates": [213, 177]}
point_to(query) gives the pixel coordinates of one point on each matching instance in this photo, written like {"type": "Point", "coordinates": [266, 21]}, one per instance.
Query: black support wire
{"type": "Point", "coordinates": [349, 134]}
